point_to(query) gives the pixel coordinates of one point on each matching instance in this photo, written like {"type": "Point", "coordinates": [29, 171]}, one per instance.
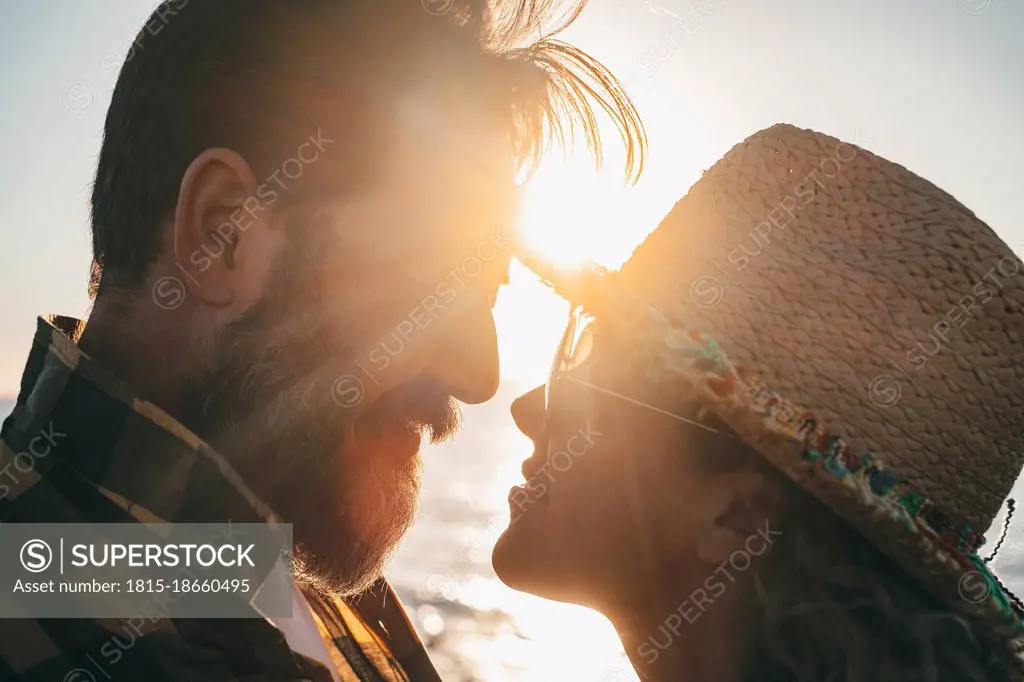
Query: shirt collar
{"type": "Point", "coordinates": [131, 449]}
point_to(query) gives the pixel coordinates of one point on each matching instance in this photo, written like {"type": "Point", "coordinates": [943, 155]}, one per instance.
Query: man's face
{"type": "Point", "coordinates": [376, 318]}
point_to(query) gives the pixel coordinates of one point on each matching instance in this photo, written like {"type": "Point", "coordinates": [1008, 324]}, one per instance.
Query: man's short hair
{"type": "Point", "coordinates": [261, 76]}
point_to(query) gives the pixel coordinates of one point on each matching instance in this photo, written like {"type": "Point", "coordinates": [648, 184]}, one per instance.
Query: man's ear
{"type": "Point", "coordinates": [222, 241]}
{"type": "Point", "coordinates": [734, 507]}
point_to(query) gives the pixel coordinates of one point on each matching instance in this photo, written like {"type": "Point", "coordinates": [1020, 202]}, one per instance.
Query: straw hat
{"type": "Point", "coordinates": [860, 328]}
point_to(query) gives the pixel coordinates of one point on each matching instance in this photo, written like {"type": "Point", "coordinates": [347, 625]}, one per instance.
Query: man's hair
{"type": "Point", "coordinates": [261, 76]}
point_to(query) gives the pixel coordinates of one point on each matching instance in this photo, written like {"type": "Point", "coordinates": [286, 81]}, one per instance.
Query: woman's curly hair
{"type": "Point", "coordinates": [829, 606]}
{"type": "Point", "coordinates": [825, 605]}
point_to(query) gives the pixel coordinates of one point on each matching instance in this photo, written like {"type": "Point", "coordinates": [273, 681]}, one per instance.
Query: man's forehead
{"type": "Point", "coordinates": [481, 255]}
{"type": "Point", "coordinates": [459, 195]}
{"type": "Point", "coordinates": [430, 237]}
{"type": "Point", "coordinates": [442, 199]}
{"type": "Point", "coordinates": [459, 159]}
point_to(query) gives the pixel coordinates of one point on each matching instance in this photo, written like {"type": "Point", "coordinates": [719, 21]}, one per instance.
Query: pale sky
{"type": "Point", "coordinates": [936, 85]}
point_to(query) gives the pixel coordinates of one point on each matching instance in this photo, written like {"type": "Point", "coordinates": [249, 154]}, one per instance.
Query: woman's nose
{"type": "Point", "coordinates": [528, 413]}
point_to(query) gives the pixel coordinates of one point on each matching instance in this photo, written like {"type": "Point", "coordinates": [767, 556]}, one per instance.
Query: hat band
{"type": "Point", "coordinates": [675, 349]}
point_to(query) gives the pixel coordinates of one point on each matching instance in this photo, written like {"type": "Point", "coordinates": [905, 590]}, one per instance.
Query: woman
{"type": "Point", "coordinates": [688, 479]}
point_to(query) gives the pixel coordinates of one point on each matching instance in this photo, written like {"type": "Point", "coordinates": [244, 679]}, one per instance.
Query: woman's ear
{"type": "Point", "coordinates": [733, 508]}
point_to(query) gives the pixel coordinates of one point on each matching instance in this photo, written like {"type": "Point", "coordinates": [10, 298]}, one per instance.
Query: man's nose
{"type": "Point", "coordinates": [466, 360]}
{"type": "Point", "coordinates": [528, 413]}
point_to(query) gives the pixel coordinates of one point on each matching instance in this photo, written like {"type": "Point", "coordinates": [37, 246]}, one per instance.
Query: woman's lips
{"type": "Point", "coordinates": [535, 492]}
{"type": "Point", "coordinates": [532, 467]}
{"type": "Point", "coordinates": [530, 495]}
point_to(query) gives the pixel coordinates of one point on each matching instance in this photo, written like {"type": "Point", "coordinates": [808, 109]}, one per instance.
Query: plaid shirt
{"type": "Point", "coordinates": [81, 447]}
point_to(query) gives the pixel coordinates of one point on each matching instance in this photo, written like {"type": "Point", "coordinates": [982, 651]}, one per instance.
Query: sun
{"type": "Point", "coordinates": [572, 213]}
{"type": "Point", "coordinates": [553, 216]}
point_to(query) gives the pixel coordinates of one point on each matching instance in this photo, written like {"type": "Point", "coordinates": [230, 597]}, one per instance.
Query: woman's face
{"type": "Point", "coordinates": [608, 493]}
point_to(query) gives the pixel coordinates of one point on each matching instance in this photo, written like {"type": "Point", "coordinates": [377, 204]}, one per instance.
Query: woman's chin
{"type": "Point", "coordinates": [508, 560]}
{"type": "Point", "coordinates": [521, 563]}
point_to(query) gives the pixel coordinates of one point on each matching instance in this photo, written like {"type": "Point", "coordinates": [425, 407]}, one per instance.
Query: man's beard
{"type": "Point", "coordinates": [348, 486]}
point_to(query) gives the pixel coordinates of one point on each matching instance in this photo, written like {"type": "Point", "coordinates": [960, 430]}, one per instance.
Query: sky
{"type": "Point", "coordinates": [936, 85]}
